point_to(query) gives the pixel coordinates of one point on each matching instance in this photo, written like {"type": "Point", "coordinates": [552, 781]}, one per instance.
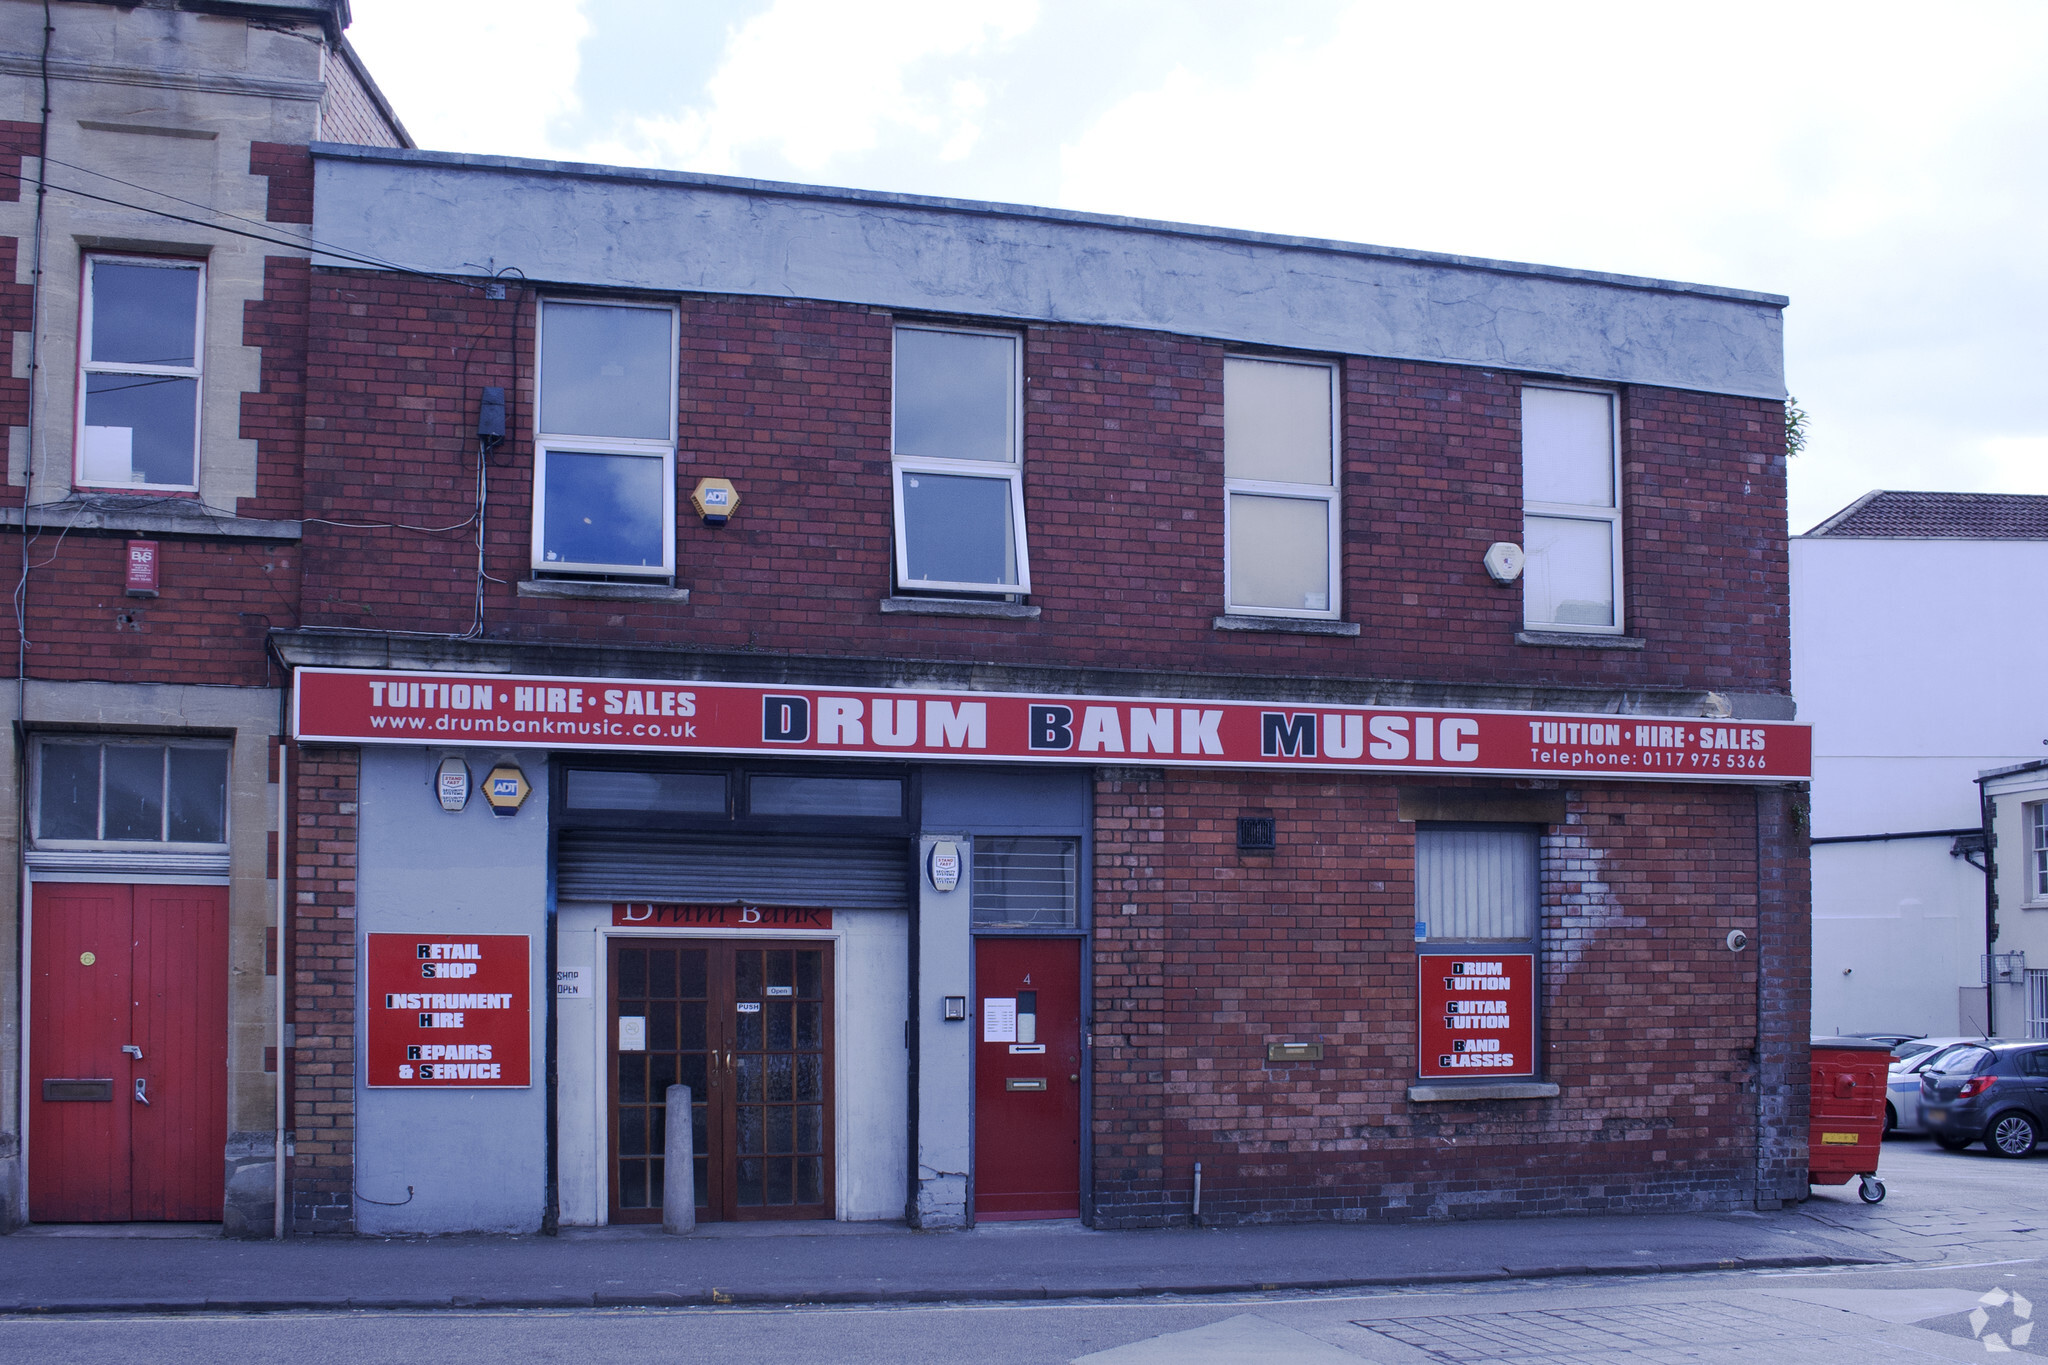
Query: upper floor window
{"type": "Point", "coordinates": [1571, 493]}
{"type": "Point", "coordinates": [131, 792]}
{"type": "Point", "coordinates": [959, 490]}
{"type": "Point", "coordinates": [605, 445]}
{"type": "Point", "coordinates": [1280, 487]}
{"type": "Point", "coordinates": [2037, 849]}
{"type": "Point", "coordinates": [140, 346]}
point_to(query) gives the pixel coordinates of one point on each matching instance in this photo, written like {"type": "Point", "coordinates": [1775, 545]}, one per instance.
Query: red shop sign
{"type": "Point", "coordinates": [647, 716]}
{"type": "Point", "coordinates": [1475, 1015]}
{"type": "Point", "coordinates": [642, 915]}
{"type": "Point", "coordinates": [449, 1010]}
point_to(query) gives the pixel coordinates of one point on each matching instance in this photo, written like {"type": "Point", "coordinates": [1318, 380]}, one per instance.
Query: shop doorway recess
{"type": "Point", "coordinates": [747, 1025]}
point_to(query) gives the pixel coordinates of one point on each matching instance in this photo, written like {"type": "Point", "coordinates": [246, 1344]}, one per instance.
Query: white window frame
{"type": "Point", "coordinates": [1013, 471]}
{"type": "Point", "coordinates": [88, 366]}
{"type": "Point", "coordinates": [545, 442]}
{"type": "Point", "coordinates": [2037, 851]}
{"type": "Point", "coordinates": [165, 742]}
{"type": "Point", "coordinates": [1569, 511]}
{"type": "Point", "coordinates": [1300, 492]}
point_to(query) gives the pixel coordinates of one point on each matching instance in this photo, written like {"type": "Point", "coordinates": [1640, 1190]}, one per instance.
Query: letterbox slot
{"type": "Point", "coordinates": [74, 1091]}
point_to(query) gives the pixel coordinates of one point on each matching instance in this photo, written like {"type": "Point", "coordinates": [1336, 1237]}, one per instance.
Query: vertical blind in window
{"type": "Point", "coordinates": [1026, 884]}
{"type": "Point", "coordinates": [1474, 885]}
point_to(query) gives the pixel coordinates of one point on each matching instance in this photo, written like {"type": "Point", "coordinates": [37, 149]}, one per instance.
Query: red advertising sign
{"type": "Point", "coordinates": [449, 1010]}
{"type": "Point", "coordinates": [142, 568]}
{"type": "Point", "coordinates": [1475, 1014]}
{"type": "Point", "coordinates": [641, 716]}
{"type": "Point", "coordinates": [641, 915]}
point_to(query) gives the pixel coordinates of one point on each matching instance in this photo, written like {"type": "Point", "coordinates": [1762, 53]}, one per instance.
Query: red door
{"type": "Point", "coordinates": [1027, 1078]}
{"type": "Point", "coordinates": [117, 971]}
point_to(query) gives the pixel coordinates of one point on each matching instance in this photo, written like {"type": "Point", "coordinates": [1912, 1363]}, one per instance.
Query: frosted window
{"type": "Point", "coordinates": [1276, 422]}
{"type": "Point", "coordinates": [1568, 447]}
{"type": "Point", "coordinates": [1569, 574]}
{"type": "Point", "coordinates": [1280, 494]}
{"type": "Point", "coordinates": [1279, 553]}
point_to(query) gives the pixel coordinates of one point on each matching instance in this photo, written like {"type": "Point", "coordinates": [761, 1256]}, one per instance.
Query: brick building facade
{"type": "Point", "coordinates": [1103, 709]}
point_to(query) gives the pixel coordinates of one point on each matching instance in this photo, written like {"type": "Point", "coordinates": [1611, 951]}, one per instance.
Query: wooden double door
{"type": "Point", "coordinates": [747, 1025]}
{"type": "Point", "coordinates": [127, 1092]}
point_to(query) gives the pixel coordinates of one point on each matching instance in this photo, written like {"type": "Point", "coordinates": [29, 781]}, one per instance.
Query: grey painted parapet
{"type": "Point", "coordinates": [674, 232]}
{"type": "Point", "coordinates": [474, 1158]}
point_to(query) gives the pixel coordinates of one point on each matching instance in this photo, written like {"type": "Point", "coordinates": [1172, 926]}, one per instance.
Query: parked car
{"type": "Point", "coordinates": [1892, 1040]}
{"type": "Point", "coordinates": [1902, 1086]}
{"type": "Point", "coordinates": [1996, 1093]}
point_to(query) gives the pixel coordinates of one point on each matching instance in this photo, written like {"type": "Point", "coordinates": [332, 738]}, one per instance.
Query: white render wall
{"type": "Point", "coordinates": [1918, 663]}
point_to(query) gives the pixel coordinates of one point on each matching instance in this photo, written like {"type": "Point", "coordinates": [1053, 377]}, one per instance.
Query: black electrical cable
{"type": "Point", "coordinates": [353, 257]}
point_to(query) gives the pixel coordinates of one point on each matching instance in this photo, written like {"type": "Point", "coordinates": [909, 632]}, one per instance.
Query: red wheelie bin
{"type": "Point", "coordinates": [1846, 1113]}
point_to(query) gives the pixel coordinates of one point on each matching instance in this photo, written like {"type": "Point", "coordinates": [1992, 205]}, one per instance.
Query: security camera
{"type": "Point", "coordinates": [1737, 940]}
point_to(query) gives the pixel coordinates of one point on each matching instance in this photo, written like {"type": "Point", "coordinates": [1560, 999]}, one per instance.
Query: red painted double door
{"type": "Point", "coordinates": [1027, 1078]}
{"type": "Point", "coordinates": [128, 1053]}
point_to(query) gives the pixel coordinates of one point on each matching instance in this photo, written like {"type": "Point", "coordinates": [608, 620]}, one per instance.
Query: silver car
{"type": "Point", "coordinates": [1902, 1086]}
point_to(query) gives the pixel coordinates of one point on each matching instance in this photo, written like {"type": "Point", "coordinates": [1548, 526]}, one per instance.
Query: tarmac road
{"type": "Point", "coordinates": [1963, 1262]}
{"type": "Point", "coordinates": [1857, 1315]}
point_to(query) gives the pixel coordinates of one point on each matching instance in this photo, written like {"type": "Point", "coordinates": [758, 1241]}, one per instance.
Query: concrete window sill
{"type": "Point", "coordinates": [1485, 1090]}
{"type": "Point", "coordinates": [603, 592]}
{"type": "Point", "coordinates": [957, 606]}
{"type": "Point", "coordinates": [1566, 639]}
{"type": "Point", "coordinates": [1285, 625]}
{"type": "Point", "coordinates": [152, 516]}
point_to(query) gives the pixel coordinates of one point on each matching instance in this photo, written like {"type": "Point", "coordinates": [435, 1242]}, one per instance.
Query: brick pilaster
{"type": "Point", "coordinates": [323, 986]}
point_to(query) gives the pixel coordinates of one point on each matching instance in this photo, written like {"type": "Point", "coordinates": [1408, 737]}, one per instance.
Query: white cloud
{"type": "Point", "coordinates": [813, 82]}
{"type": "Point", "coordinates": [1880, 165]}
{"type": "Point", "coordinates": [474, 75]}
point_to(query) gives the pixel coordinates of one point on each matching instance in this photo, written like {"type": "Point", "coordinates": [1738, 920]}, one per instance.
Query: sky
{"type": "Point", "coordinates": [1884, 165]}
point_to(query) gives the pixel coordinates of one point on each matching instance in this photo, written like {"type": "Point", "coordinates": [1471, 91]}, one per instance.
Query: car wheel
{"type": "Point", "coordinates": [1891, 1118]}
{"type": "Point", "coordinates": [1950, 1144]}
{"type": "Point", "coordinates": [2012, 1135]}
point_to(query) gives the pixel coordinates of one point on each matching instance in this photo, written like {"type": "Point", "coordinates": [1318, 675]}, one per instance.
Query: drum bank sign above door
{"type": "Point", "coordinates": [449, 1010]}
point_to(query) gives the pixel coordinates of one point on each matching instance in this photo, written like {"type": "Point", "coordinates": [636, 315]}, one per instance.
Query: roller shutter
{"type": "Point", "coordinates": [602, 865]}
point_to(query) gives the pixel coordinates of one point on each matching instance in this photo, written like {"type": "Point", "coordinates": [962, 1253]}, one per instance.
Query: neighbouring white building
{"type": "Point", "coordinates": [2016, 803]}
{"type": "Point", "coordinates": [1918, 650]}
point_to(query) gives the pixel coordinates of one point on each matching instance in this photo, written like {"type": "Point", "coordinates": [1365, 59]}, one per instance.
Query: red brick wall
{"type": "Point", "coordinates": [217, 599]}
{"type": "Point", "coordinates": [290, 168]}
{"type": "Point", "coordinates": [17, 140]}
{"type": "Point", "coordinates": [16, 314]}
{"type": "Point", "coordinates": [1123, 492]}
{"type": "Point", "coordinates": [323, 987]}
{"type": "Point", "coordinates": [1204, 955]}
{"type": "Point", "coordinates": [275, 415]}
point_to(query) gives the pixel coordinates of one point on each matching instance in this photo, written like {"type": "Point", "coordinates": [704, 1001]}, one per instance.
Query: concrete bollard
{"type": "Point", "coordinates": [679, 1179]}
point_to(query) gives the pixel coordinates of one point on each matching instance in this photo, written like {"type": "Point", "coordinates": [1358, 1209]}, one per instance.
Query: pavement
{"type": "Point", "coordinates": [1953, 1210]}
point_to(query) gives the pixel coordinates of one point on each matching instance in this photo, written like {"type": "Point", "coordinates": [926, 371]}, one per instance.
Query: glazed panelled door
{"type": "Point", "coordinates": [128, 1059]}
{"type": "Point", "coordinates": [747, 1025]}
{"type": "Point", "coordinates": [1027, 1078]}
